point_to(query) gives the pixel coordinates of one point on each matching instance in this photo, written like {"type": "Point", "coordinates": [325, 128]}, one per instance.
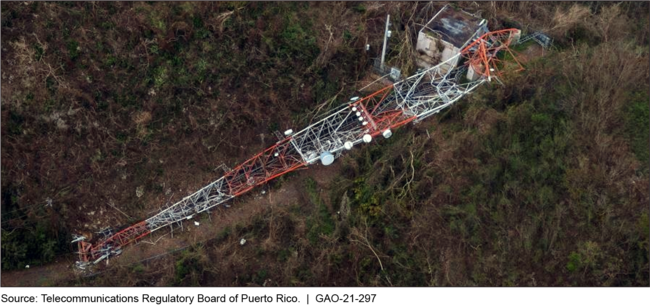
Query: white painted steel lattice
{"type": "Point", "coordinates": [359, 121]}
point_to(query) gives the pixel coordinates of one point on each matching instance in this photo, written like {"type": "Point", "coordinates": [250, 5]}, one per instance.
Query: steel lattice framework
{"type": "Point", "coordinates": [360, 120]}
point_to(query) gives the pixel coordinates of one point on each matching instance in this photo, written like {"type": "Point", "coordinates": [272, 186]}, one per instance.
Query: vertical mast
{"type": "Point", "coordinates": [383, 50]}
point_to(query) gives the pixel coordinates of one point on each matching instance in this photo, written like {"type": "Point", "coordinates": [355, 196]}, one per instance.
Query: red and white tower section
{"type": "Point", "coordinates": [359, 121]}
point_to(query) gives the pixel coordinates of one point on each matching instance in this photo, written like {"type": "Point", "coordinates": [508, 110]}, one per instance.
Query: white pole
{"type": "Point", "coordinates": [383, 50]}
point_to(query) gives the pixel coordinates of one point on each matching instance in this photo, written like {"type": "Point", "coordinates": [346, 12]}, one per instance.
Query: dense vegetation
{"type": "Point", "coordinates": [542, 181]}
{"type": "Point", "coordinates": [106, 106]}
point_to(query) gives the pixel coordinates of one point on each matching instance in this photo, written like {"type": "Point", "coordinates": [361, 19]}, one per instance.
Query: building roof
{"type": "Point", "coordinates": [454, 26]}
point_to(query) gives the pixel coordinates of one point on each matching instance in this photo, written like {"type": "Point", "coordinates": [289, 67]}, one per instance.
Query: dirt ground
{"type": "Point", "coordinates": [46, 275]}
{"type": "Point", "coordinates": [162, 242]}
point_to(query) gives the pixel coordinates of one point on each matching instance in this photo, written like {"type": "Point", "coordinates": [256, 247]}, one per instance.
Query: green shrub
{"type": "Point", "coordinates": [637, 117]}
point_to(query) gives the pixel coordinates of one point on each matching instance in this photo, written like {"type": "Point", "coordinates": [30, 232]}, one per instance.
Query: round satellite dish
{"type": "Point", "coordinates": [360, 119]}
{"type": "Point", "coordinates": [326, 158]}
{"type": "Point", "coordinates": [387, 133]}
{"type": "Point", "coordinates": [358, 114]}
{"type": "Point", "coordinates": [367, 138]}
{"type": "Point", "coordinates": [348, 145]}
{"type": "Point", "coordinates": [365, 123]}
{"type": "Point", "coordinates": [288, 132]}
{"type": "Point", "coordinates": [276, 154]}
{"type": "Point", "coordinates": [354, 108]}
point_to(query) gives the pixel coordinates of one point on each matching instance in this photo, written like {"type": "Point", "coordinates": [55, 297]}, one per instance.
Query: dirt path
{"type": "Point", "coordinates": [239, 210]}
{"type": "Point", "coordinates": [47, 275]}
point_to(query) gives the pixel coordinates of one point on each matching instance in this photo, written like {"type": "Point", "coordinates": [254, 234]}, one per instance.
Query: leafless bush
{"type": "Point", "coordinates": [565, 20]}
{"type": "Point", "coordinates": [610, 70]}
{"type": "Point", "coordinates": [406, 54]}
{"type": "Point", "coordinates": [610, 21]}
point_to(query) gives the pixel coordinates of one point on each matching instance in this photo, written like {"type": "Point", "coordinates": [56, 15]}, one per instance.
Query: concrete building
{"type": "Point", "coordinates": [448, 32]}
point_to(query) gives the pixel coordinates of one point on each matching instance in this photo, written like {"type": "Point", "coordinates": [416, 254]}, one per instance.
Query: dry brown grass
{"type": "Point", "coordinates": [330, 26]}
{"type": "Point", "coordinates": [564, 20]}
{"type": "Point", "coordinates": [467, 198]}
{"type": "Point", "coordinates": [610, 22]}
{"type": "Point", "coordinates": [608, 69]}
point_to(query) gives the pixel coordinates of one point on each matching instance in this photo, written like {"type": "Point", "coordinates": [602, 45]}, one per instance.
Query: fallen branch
{"type": "Point", "coordinates": [112, 205]}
